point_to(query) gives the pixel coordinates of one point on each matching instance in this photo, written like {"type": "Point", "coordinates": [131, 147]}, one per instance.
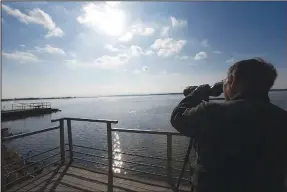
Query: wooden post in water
{"type": "Point", "coordinates": [62, 141]}
{"type": "Point", "coordinates": [69, 127]}
{"type": "Point", "coordinates": [169, 158]}
{"type": "Point", "coordinates": [110, 157]}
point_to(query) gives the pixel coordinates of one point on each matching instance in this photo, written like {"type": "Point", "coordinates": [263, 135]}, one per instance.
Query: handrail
{"type": "Point", "coordinates": [167, 166]}
{"type": "Point", "coordinates": [28, 134]}
{"type": "Point", "coordinates": [87, 120]}
{"type": "Point", "coordinates": [31, 157]}
{"type": "Point", "coordinates": [29, 165]}
{"type": "Point", "coordinates": [124, 161]}
{"type": "Point", "coordinates": [129, 154]}
{"type": "Point", "coordinates": [32, 172]}
{"type": "Point", "coordinates": [146, 131]}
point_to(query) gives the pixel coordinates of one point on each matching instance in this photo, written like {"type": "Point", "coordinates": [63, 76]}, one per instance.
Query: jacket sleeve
{"type": "Point", "coordinates": [190, 116]}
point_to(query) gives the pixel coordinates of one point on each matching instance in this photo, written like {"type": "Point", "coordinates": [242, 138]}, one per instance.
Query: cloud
{"type": "Point", "coordinates": [204, 43]}
{"type": "Point", "coordinates": [142, 70]}
{"type": "Point", "coordinates": [127, 37]}
{"type": "Point", "coordinates": [112, 48]}
{"type": "Point", "coordinates": [103, 17]}
{"type": "Point", "coordinates": [109, 19]}
{"type": "Point", "coordinates": [183, 58]}
{"type": "Point", "coordinates": [21, 56]}
{"type": "Point", "coordinates": [164, 31]}
{"type": "Point", "coordinates": [168, 47]}
{"type": "Point", "coordinates": [132, 51]}
{"type": "Point", "coordinates": [200, 56]}
{"type": "Point", "coordinates": [22, 45]}
{"type": "Point", "coordinates": [177, 23]}
{"type": "Point", "coordinates": [111, 61]}
{"type": "Point", "coordinates": [136, 51]}
{"type": "Point", "coordinates": [138, 29]}
{"type": "Point", "coordinates": [149, 53]}
{"type": "Point", "coordinates": [36, 16]}
{"type": "Point", "coordinates": [104, 62]}
{"type": "Point", "coordinates": [217, 52]}
{"type": "Point", "coordinates": [50, 49]}
{"type": "Point", "coordinates": [124, 55]}
{"type": "Point", "coordinates": [231, 60]}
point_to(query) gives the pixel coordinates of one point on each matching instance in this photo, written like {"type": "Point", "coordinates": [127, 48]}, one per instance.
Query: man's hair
{"type": "Point", "coordinates": [255, 75]}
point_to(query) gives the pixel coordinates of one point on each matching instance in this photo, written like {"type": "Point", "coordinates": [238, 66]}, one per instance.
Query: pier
{"type": "Point", "coordinates": [24, 110]}
{"type": "Point", "coordinates": [64, 174]}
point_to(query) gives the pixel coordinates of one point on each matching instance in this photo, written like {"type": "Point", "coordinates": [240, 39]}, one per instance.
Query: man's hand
{"type": "Point", "coordinates": [202, 92]}
{"type": "Point", "coordinates": [217, 89]}
{"type": "Point", "coordinates": [188, 90]}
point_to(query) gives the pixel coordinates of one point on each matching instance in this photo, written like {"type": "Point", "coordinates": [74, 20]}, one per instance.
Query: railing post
{"type": "Point", "coordinates": [62, 141]}
{"type": "Point", "coordinates": [70, 139]}
{"type": "Point", "coordinates": [169, 158]}
{"type": "Point", "coordinates": [110, 157]}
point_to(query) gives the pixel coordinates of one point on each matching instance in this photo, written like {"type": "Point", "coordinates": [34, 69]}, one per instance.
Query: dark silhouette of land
{"type": "Point", "coordinates": [121, 95]}
{"type": "Point", "coordinates": [37, 98]}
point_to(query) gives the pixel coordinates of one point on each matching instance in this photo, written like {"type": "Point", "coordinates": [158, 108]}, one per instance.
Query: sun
{"type": "Point", "coordinates": [114, 22]}
{"type": "Point", "coordinates": [107, 18]}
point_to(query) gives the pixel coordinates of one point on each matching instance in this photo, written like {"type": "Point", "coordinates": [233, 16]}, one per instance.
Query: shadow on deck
{"type": "Point", "coordinates": [72, 177]}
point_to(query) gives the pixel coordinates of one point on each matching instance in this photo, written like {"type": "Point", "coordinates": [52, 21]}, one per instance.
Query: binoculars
{"type": "Point", "coordinates": [214, 91]}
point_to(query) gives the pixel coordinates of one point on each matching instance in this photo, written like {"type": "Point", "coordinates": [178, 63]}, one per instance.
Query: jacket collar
{"type": "Point", "coordinates": [251, 96]}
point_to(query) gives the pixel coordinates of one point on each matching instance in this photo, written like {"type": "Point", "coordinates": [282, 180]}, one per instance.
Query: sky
{"type": "Point", "coordinates": [54, 49]}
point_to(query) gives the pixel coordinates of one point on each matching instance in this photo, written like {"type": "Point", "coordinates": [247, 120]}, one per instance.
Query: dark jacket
{"type": "Point", "coordinates": [242, 142]}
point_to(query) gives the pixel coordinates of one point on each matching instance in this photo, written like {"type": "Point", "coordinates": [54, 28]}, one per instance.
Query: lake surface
{"type": "Point", "coordinates": [132, 112]}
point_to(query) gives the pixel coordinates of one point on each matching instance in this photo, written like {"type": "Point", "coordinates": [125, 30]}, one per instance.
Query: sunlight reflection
{"type": "Point", "coordinates": [117, 163]}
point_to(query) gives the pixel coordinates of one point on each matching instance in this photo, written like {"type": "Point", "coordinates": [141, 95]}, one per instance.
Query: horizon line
{"type": "Point", "coordinates": [74, 97]}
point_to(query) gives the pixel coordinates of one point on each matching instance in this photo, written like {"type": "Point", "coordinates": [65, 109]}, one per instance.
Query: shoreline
{"type": "Point", "coordinates": [130, 95]}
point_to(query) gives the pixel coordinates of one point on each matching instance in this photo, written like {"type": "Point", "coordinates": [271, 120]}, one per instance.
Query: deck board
{"type": "Point", "coordinates": [79, 179]}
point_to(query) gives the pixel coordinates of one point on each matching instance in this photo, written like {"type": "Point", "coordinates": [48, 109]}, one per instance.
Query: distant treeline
{"type": "Point", "coordinates": [31, 98]}
{"type": "Point", "coordinates": [278, 89]}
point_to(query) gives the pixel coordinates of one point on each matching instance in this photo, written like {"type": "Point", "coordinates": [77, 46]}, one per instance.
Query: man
{"type": "Point", "coordinates": [242, 141]}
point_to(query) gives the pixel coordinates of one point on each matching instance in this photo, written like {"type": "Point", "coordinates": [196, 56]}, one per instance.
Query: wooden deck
{"type": "Point", "coordinates": [73, 178]}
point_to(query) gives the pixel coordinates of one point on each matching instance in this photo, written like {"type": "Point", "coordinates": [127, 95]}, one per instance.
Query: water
{"type": "Point", "coordinates": [137, 112]}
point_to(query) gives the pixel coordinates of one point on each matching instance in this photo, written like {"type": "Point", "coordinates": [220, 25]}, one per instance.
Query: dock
{"type": "Point", "coordinates": [24, 110]}
{"type": "Point", "coordinates": [75, 178]}
{"type": "Point", "coordinates": [64, 173]}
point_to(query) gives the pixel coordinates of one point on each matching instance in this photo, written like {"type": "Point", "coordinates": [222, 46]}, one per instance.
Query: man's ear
{"type": "Point", "coordinates": [231, 81]}
{"type": "Point", "coordinates": [233, 84]}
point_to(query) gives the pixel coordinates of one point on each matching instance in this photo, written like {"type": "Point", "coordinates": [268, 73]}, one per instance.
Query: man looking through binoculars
{"type": "Point", "coordinates": [242, 141]}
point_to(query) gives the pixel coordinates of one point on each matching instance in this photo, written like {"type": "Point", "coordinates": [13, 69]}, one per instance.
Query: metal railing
{"type": "Point", "coordinates": [110, 151]}
{"type": "Point", "coordinates": [5, 185]}
{"type": "Point", "coordinates": [169, 160]}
